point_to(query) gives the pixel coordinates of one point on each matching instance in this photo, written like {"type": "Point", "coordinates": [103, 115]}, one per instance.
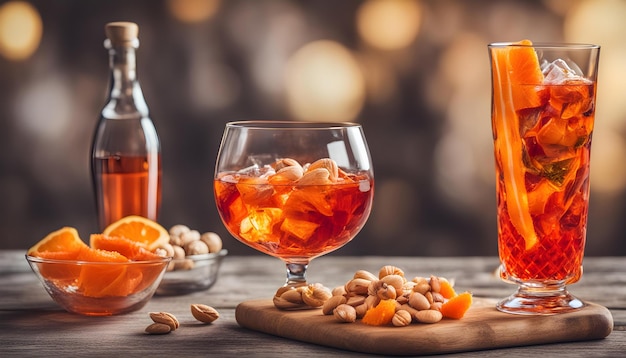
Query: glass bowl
{"type": "Point", "coordinates": [191, 274]}
{"type": "Point", "coordinates": [99, 288]}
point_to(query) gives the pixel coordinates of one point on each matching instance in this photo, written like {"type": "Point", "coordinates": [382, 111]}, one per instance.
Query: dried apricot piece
{"type": "Point", "coordinates": [381, 314]}
{"type": "Point", "coordinates": [456, 307]}
{"type": "Point", "coordinates": [446, 290]}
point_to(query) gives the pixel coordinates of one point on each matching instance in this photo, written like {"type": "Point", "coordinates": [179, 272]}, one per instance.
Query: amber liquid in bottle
{"type": "Point", "coordinates": [125, 154]}
{"type": "Point", "coordinates": [127, 187]}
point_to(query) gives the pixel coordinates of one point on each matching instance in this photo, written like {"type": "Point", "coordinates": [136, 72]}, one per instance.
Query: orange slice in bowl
{"type": "Point", "coordinates": [136, 278]}
{"type": "Point", "coordinates": [62, 244]}
{"type": "Point", "coordinates": [146, 232]}
{"type": "Point", "coordinates": [133, 250]}
{"type": "Point", "coordinates": [63, 240]}
{"type": "Point", "coordinates": [98, 274]}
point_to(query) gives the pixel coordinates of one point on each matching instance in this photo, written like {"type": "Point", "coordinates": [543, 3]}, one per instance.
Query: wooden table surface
{"type": "Point", "coordinates": [31, 324]}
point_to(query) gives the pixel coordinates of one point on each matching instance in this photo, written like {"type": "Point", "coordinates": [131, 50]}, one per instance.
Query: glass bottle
{"type": "Point", "coordinates": [125, 153]}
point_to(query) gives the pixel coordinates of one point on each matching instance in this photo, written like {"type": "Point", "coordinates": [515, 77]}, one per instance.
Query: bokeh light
{"type": "Point", "coordinates": [415, 73]}
{"type": "Point", "coordinates": [389, 24]}
{"type": "Point", "coordinates": [324, 83]}
{"type": "Point", "coordinates": [193, 11]}
{"type": "Point", "coordinates": [602, 22]}
{"type": "Point", "coordinates": [20, 30]}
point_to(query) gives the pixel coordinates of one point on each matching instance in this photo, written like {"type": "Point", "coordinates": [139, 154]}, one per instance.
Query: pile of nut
{"type": "Point", "coordinates": [165, 322]}
{"type": "Point", "coordinates": [301, 297]}
{"type": "Point", "coordinates": [416, 300]}
{"type": "Point", "coordinates": [185, 242]}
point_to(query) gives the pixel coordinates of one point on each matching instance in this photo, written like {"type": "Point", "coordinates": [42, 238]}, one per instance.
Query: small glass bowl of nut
{"type": "Point", "coordinates": [196, 260]}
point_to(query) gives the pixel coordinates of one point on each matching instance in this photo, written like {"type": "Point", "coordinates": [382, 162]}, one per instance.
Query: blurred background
{"type": "Point", "coordinates": [414, 73]}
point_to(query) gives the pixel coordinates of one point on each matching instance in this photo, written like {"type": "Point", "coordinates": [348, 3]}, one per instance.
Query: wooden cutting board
{"type": "Point", "coordinates": [483, 327]}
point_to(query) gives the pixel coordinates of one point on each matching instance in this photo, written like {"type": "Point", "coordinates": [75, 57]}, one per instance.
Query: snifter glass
{"type": "Point", "coordinates": [294, 190]}
{"type": "Point", "coordinates": [543, 110]}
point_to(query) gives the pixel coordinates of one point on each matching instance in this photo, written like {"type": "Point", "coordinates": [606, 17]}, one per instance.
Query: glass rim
{"type": "Point", "coordinates": [42, 260]}
{"type": "Point", "coordinates": [548, 45]}
{"type": "Point", "coordinates": [287, 125]}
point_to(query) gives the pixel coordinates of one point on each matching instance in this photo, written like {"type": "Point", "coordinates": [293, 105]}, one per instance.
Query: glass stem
{"type": "Point", "coordinates": [296, 274]}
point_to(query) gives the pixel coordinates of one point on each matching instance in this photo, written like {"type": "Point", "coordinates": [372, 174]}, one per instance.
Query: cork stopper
{"type": "Point", "coordinates": [122, 33]}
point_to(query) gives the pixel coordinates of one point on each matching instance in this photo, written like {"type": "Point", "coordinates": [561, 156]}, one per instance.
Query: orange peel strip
{"type": "Point", "coordinates": [509, 145]}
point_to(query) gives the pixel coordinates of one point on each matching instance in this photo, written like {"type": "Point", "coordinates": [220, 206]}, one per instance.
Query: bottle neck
{"type": "Point", "coordinates": [125, 95]}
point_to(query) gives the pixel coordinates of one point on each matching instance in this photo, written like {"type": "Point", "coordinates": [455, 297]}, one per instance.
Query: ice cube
{"type": "Point", "coordinates": [301, 229]}
{"type": "Point", "coordinates": [559, 71]}
{"type": "Point", "coordinates": [259, 225]}
{"type": "Point", "coordinates": [255, 191]}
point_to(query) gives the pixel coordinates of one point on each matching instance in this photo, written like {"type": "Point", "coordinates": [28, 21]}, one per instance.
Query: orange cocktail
{"type": "Point", "coordinates": [287, 219]}
{"type": "Point", "coordinates": [294, 190]}
{"type": "Point", "coordinates": [543, 109]}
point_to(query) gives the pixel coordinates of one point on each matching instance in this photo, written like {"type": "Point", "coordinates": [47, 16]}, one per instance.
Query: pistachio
{"type": "Point", "coordinates": [361, 310]}
{"type": "Point", "coordinates": [178, 230]}
{"type": "Point", "coordinates": [328, 164]}
{"type": "Point", "coordinates": [422, 287]}
{"type": "Point", "coordinates": [287, 174]}
{"type": "Point", "coordinates": [293, 295]}
{"type": "Point", "coordinates": [372, 301]}
{"type": "Point", "coordinates": [212, 240]}
{"type": "Point", "coordinates": [390, 270]}
{"type": "Point", "coordinates": [196, 247]}
{"type": "Point", "coordinates": [315, 295]}
{"type": "Point", "coordinates": [436, 306]}
{"type": "Point", "coordinates": [167, 248]}
{"type": "Point", "coordinates": [189, 236]}
{"type": "Point", "coordinates": [345, 313]}
{"type": "Point", "coordinates": [356, 300]}
{"type": "Point", "coordinates": [285, 162]}
{"type": "Point", "coordinates": [401, 318]}
{"type": "Point", "coordinates": [435, 285]}
{"type": "Point", "coordinates": [394, 280]}
{"type": "Point", "coordinates": [357, 286]}
{"type": "Point", "coordinates": [365, 275]}
{"type": "Point", "coordinates": [438, 297]}
{"type": "Point", "coordinates": [339, 291]}
{"type": "Point", "coordinates": [204, 313]}
{"type": "Point", "coordinates": [428, 316]}
{"type": "Point", "coordinates": [409, 309]}
{"type": "Point", "coordinates": [332, 303]}
{"type": "Point", "coordinates": [283, 304]}
{"type": "Point", "coordinates": [158, 328]}
{"type": "Point", "coordinates": [319, 176]}
{"type": "Point", "coordinates": [386, 292]}
{"type": "Point", "coordinates": [165, 318]}
{"type": "Point", "coordinates": [419, 301]}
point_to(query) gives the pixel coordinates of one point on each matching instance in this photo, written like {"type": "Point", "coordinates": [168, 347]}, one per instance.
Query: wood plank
{"type": "Point", "coordinates": [483, 327]}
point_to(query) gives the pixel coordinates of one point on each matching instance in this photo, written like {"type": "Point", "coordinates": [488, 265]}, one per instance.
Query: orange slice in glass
{"type": "Point", "coordinates": [514, 67]}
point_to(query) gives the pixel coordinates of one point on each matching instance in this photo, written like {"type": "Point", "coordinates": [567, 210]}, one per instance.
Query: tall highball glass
{"type": "Point", "coordinates": [543, 108]}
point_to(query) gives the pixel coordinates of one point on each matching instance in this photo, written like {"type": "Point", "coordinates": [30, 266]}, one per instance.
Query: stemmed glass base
{"type": "Point", "coordinates": [296, 274]}
{"type": "Point", "coordinates": [533, 300]}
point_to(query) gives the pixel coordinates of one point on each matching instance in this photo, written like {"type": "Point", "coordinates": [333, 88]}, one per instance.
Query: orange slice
{"type": "Point", "coordinates": [129, 248]}
{"type": "Point", "coordinates": [513, 66]}
{"type": "Point", "coordinates": [65, 239]}
{"type": "Point", "coordinates": [97, 276]}
{"type": "Point", "coordinates": [524, 73]}
{"type": "Point", "coordinates": [144, 231]}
